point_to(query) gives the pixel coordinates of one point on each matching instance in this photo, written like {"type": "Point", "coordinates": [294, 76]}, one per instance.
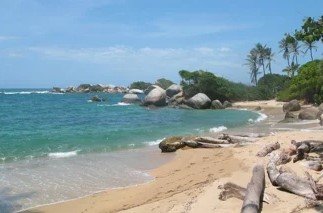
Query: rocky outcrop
{"type": "Point", "coordinates": [321, 107]}
{"type": "Point", "coordinates": [136, 91]}
{"type": "Point", "coordinates": [131, 98]}
{"type": "Point", "coordinates": [156, 97]}
{"type": "Point", "coordinates": [176, 100]}
{"type": "Point", "coordinates": [171, 144]}
{"type": "Point", "coordinates": [173, 90]}
{"type": "Point", "coordinates": [58, 90]}
{"type": "Point", "coordinates": [227, 104]}
{"type": "Point", "coordinates": [199, 101]}
{"type": "Point", "coordinates": [290, 118]}
{"type": "Point", "coordinates": [292, 106]}
{"type": "Point", "coordinates": [151, 87]}
{"type": "Point", "coordinates": [70, 89]}
{"type": "Point", "coordinates": [321, 120]}
{"type": "Point", "coordinates": [83, 88]}
{"type": "Point", "coordinates": [97, 88]}
{"type": "Point", "coordinates": [309, 114]}
{"type": "Point", "coordinates": [97, 99]}
{"type": "Point", "coordinates": [216, 104]}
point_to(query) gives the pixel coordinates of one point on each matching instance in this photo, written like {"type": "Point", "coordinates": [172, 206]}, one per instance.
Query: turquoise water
{"type": "Point", "coordinates": [55, 147]}
{"type": "Point", "coordinates": [35, 123]}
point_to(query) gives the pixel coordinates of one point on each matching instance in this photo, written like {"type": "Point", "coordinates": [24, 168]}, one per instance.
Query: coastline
{"type": "Point", "coordinates": [189, 182]}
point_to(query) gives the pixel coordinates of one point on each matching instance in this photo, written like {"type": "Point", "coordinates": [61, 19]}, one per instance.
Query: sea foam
{"type": "Point", "coordinates": [218, 129]}
{"type": "Point", "coordinates": [28, 92]}
{"type": "Point", "coordinates": [62, 154]}
{"type": "Point", "coordinates": [153, 143]}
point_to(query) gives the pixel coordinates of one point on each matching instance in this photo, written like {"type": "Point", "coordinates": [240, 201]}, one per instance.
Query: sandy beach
{"type": "Point", "coordinates": [190, 182]}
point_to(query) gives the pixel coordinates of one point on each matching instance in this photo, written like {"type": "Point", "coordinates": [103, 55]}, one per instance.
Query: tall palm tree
{"type": "Point", "coordinates": [291, 70]}
{"type": "Point", "coordinates": [261, 52]}
{"type": "Point", "coordinates": [295, 50]}
{"type": "Point", "coordinates": [310, 45]}
{"type": "Point", "coordinates": [269, 56]}
{"type": "Point", "coordinates": [284, 47]}
{"type": "Point", "coordinates": [252, 62]}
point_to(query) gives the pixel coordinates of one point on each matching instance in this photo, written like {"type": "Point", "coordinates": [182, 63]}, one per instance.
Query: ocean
{"type": "Point", "coordinates": [55, 147]}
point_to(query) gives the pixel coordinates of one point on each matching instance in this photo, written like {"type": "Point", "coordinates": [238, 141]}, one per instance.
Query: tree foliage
{"type": "Point", "coordinates": [164, 83]}
{"type": "Point", "coordinates": [139, 85]}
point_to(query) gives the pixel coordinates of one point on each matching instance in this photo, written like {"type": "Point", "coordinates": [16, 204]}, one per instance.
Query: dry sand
{"type": "Point", "coordinates": [189, 183]}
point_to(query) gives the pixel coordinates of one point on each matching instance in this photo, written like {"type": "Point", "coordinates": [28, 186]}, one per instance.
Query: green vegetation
{"type": "Point", "coordinates": [139, 85]}
{"type": "Point", "coordinates": [164, 83]}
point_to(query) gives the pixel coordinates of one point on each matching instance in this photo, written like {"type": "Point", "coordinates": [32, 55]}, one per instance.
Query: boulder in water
{"type": "Point", "coordinates": [199, 101]}
{"type": "Point", "coordinates": [96, 99]}
{"type": "Point", "coordinates": [227, 104]}
{"type": "Point", "coordinates": [131, 98]}
{"type": "Point", "coordinates": [216, 104]}
{"type": "Point", "coordinates": [151, 87]}
{"type": "Point", "coordinates": [156, 97]}
{"type": "Point", "coordinates": [70, 89]}
{"type": "Point", "coordinates": [84, 88]}
{"type": "Point", "coordinates": [173, 90]}
{"type": "Point", "coordinates": [171, 144]}
{"type": "Point", "coordinates": [58, 90]}
{"type": "Point", "coordinates": [309, 114]}
{"type": "Point", "coordinates": [291, 106]}
{"type": "Point", "coordinates": [136, 91]}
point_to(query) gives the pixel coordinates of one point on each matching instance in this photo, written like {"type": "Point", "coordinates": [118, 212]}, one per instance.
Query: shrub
{"type": "Point", "coordinates": [139, 85]}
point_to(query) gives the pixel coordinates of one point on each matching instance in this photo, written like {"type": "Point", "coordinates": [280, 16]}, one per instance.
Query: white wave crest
{"type": "Point", "coordinates": [26, 92]}
{"type": "Point", "coordinates": [259, 119]}
{"type": "Point", "coordinates": [218, 129]}
{"type": "Point", "coordinates": [63, 154]}
{"type": "Point", "coordinates": [153, 143]}
{"type": "Point", "coordinates": [121, 104]}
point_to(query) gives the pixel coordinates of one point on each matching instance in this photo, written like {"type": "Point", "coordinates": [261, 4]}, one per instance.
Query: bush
{"type": "Point", "coordinates": [164, 83]}
{"type": "Point", "coordinates": [307, 85]}
{"type": "Point", "coordinates": [269, 85]}
{"type": "Point", "coordinates": [139, 85]}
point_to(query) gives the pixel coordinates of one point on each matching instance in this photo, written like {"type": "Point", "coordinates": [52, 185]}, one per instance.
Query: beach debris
{"type": "Point", "coordinates": [230, 190]}
{"type": "Point", "coordinates": [212, 140]}
{"type": "Point", "coordinates": [252, 202]}
{"type": "Point", "coordinates": [288, 180]}
{"type": "Point", "coordinates": [237, 139]}
{"type": "Point", "coordinates": [313, 165]}
{"type": "Point", "coordinates": [268, 149]}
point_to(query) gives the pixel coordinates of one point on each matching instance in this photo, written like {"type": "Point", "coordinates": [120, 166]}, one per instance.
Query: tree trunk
{"type": "Point", "coordinates": [268, 149]}
{"type": "Point", "coordinates": [311, 53]}
{"type": "Point", "coordinates": [255, 190]}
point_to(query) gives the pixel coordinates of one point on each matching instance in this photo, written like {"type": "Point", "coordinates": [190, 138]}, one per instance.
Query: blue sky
{"type": "Point", "coordinates": [67, 42]}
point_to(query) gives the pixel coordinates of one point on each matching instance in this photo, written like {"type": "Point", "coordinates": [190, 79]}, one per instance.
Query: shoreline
{"type": "Point", "coordinates": [182, 157]}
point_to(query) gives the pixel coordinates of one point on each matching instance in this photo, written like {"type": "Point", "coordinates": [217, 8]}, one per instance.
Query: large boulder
{"type": "Point", "coordinates": [97, 99]}
{"type": "Point", "coordinates": [176, 100]}
{"type": "Point", "coordinates": [70, 89]}
{"type": "Point", "coordinates": [150, 88]}
{"type": "Point", "coordinates": [131, 98]}
{"type": "Point", "coordinates": [199, 101]}
{"type": "Point", "coordinates": [290, 118]}
{"type": "Point", "coordinates": [156, 97]}
{"type": "Point", "coordinates": [321, 119]}
{"type": "Point", "coordinates": [84, 88]}
{"type": "Point", "coordinates": [292, 106]}
{"type": "Point", "coordinates": [309, 114]}
{"type": "Point", "coordinates": [171, 144]}
{"type": "Point", "coordinates": [136, 91]}
{"type": "Point", "coordinates": [173, 90]}
{"type": "Point", "coordinates": [227, 104]}
{"type": "Point", "coordinates": [97, 88]}
{"type": "Point", "coordinates": [216, 104]}
{"type": "Point", "coordinates": [58, 90]}
{"type": "Point", "coordinates": [321, 107]}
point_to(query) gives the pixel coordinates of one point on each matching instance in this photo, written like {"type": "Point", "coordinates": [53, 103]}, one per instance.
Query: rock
{"type": "Point", "coordinates": [321, 120]}
{"type": "Point", "coordinates": [176, 100]}
{"type": "Point", "coordinates": [173, 90]}
{"type": "Point", "coordinates": [290, 118]}
{"type": "Point", "coordinates": [258, 108]}
{"type": "Point", "coordinates": [199, 101]}
{"type": "Point", "coordinates": [183, 106]}
{"type": "Point", "coordinates": [227, 104]}
{"type": "Point", "coordinates": [216, 104]}
{"type": "Point", "coordinates": [292, 106]}
{"type": "Point", "coordinates": [131, 98]}
{"type": "Point", "coordinates": [309, 114]}
{"type": "Point", "coordinates": [83, 87]}
{"type": "Point", "coordinates": [321, 107]}
{"type": "Point", "coordinates": [58, 90]}
{"type": "Point", "coordinates": [97, 88]}
{"type": "Point", "coordinates": [96, 99]}
{"type": "Point", "coordinates": [70, 89]}
{"type": "Point", "coordinates": [136, 91]}
{"type": "Point", "coordinates": [150, 88]}
{"type": "Point", "coordinates": [156, 97]}
{"type": "Point", "coordinates": [171, 144]}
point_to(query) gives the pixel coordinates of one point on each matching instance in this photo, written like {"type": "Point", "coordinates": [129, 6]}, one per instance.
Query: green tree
{"type": "Point", "coordinates": [261, 52]}
{"type": "Point", "coordinates": [252, 63]}
{"type": "Point", "coordinates": [139, 85]}
{"type": "Point", "coordinates": [269, 56]}
{"type": "Point", "coordinates": [164, 83]}
{"type": "Point", "coordinates": [292, 69]}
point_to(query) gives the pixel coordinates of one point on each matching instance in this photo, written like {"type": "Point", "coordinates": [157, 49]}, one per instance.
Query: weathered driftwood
{"type": "Point", "coordinates": [303, 148]}
{"type": "Point", "coordinates": [210, 145]}
{"type": "Point", "coordinates": [211, 140]}
{"type": "Point", "coordinates": [268, 149]}
{"type": "Point", "coordinates": [280, 157]}
{"type": "Point", "coordinates": [251, 135]}
{"type": "Point", "coordinates": [237, 139]}
{"type": "Point", "coordinates": [313, 165]}
{"type": "Point", "coordinates": [255, 191]}
{"type": "Point", "coordinates": [232, 190]}
{"type": "Point", "coordinates": [289, 181]}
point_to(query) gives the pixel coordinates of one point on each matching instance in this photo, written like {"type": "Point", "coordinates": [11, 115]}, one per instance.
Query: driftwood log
{"type": "Point", "coordinates": [211, 140]}
{"type": "Point", "coordinates": [289, 181]}
{"type": "Point", "coordinates": [313, 165]}
{"type": "Point", "coordinates": [268, 149]}
{"type": "Point", "coordinates": [237, 139]}
{"type": "Point", "coordinates": [252, 202]}
{"type": "Point", "coordinates": [280, 157]}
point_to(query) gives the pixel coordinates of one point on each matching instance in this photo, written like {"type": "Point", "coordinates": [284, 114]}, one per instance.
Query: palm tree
{"type": "Point", "coordinates": [290, 70]}
{"type": "Point", "coordinates": [252, 62]}
{"type": "Point", "coordinates": [309, 44]}
{"type": "Point", "coordinates": [295, 50]}
{"type": "Point", "coordinates": [261, 52]}
{"type": "Point", "coordinates": [269, 56]}
{"type": "Point", "coordinates": [284, 47]}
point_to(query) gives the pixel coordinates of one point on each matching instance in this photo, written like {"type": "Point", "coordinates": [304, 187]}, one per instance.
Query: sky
{"type": "Point", "coordinates": [45, 43]}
